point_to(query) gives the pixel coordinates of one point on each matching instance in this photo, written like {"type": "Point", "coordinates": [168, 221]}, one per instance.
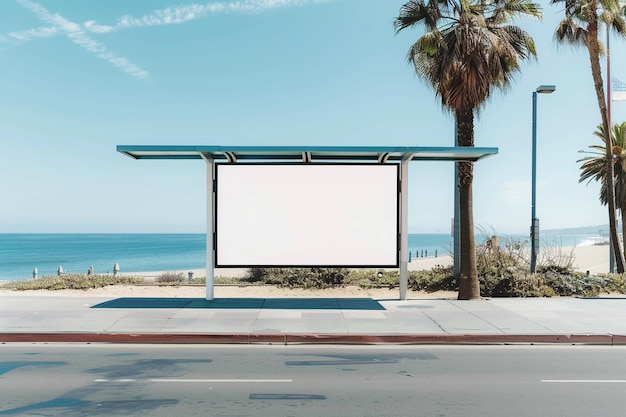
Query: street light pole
{"type": "Point", "coordinates": [534, 221]}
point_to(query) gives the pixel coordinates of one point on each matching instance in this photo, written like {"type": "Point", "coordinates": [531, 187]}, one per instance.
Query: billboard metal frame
{"type": "Point", "coordinates": [219, 192]}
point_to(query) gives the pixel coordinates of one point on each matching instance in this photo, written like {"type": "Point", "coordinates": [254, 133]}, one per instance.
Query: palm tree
{"type": "Point", "coordinates": [467, 49]}
{"type": "Point", "coordinates": [580, 27]}
{"type": "Point", "coordinates": [594, 167]}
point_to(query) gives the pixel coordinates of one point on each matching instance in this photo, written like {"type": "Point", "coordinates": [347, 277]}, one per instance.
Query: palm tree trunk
{"type": "Point", "coordinates": [594, 56]}
{"type": "Point", "coordinates": [469, 287]}
{"type": "Point", "coordinates": [622, 210]}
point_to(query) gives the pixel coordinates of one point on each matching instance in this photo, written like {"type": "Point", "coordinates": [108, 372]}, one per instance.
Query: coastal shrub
{"type": "Point", "coordinates": [529, 285]}
{"type": "Point", "coordinates": [72, 281]}
{"type": "Point", "coordinates": [371, 278]}
{"type": "Point", "coordinates": [504, 270]}
{"type": "Point", "coordinates": [364, 278]}
{"type": "Point", "coordinates": [298, 277]}
{"type": "Point", "coordinates": [440, 278]}
{"type": "Point", "coordinates": [555, 260]}
{"type": "Point", "coordinates": [554, 256]}
{"type": "Point", "coordinates": [220, 280]}
{"type": "Point", "coordinates": [506, 253]}
{"type": "Point", "coordinates": [256, 274]}
{"type": "Point", "coordinates": [171, 278]}
{"type": "Point", "coordinates": [583, 285]}
{"type": "Point", "coordinates": [315, 277]}
{"type": "Point", "coordinates": [493, 259]}
{"type": "Point", "coordinates": [614, 283]}
{"type": "Point", "coordinates": [501, 265]}
{"type": "Point", "coordinates": [269, 276]}
{"type": "Point", "coordinates": [518, 284]}
{"type": "Point", "coordinates": [550, 283]}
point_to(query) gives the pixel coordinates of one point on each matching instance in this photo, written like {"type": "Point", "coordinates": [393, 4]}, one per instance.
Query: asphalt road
{"type": "Point", "coordinates": [194, 380]}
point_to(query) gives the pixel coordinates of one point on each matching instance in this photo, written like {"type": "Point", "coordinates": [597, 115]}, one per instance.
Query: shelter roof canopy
{"type": "Point", "coordinates": [379, 154]}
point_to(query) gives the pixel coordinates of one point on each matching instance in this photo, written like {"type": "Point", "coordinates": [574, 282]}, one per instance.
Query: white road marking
{"type": "Point", "coordinates": [114, 380]}
{"type": "Point", "coordinates": [188, 381]}
{"type": "Point", "coordinates": [585, 381]}
{"type": "Point", "coordinates": [222, 380]}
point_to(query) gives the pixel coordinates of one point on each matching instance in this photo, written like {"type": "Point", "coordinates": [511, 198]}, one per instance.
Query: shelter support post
{"type": "Point", "coordinates": [456, 222]}
{"type": "Point", "coordinates": [210, 226]}
{"type": "Point", "coordinates": [404, 236]}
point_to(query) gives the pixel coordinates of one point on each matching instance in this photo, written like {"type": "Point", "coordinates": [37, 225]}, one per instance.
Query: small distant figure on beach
{"type": "Point", "coordinates": [90, 270]}
{"type": "Point", "coordinates": [35, 273]}
{"type": "Point", "coordinates": [116, 268]}
{"type": "Point", "coordinates": [60, 271]}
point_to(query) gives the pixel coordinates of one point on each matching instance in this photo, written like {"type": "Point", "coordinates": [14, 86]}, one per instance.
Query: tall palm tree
{"type": "Point", "coordinates": [594, 167]}
{"type": "Point", "coordinates": [468, 48]}
{"type": "Point", "coordinates": [580, 27]}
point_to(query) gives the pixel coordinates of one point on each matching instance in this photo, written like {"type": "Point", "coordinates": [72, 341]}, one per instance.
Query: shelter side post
{"type": "Point", "coordinates": [404, 237]}
{"type": "Point", "coordinates": [210, 224]}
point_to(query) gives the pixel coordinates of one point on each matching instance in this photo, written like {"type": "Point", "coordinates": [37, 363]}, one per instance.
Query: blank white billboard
{"type": "Point", "coordinates": [306, 215]}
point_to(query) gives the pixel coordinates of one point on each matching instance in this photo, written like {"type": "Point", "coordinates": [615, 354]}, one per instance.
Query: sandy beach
{"type": "Point", "coordinates": [594, 259]}
{"type": "Point", "coordinates": [231, 291]}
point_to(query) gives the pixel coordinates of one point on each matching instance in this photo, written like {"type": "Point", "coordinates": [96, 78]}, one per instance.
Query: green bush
{"type": "Point", "coordinates": [298, 277]}
{"type": "Point", "coordinates": [258, 274]}
{"type": "Point", "coordinates": [72, 281]}
{"type": "Point", "coordinates": [504, 271]}
{"type": "Point", "coordinates": [439, 278]}
{"type": "Point", "coordinates": [171, 278]}
{"type": "Point", "coordinates": [518, 284]}
{"type": "Point", "coordinates": [614, 283]}
{"type": "Point", "coordinates": [579, 284]}
{"type": "Point", "coordinates": [370, 278]}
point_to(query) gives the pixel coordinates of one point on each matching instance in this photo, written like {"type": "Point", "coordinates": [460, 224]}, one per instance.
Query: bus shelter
{"type": "Point", "coordinates": [307, 206]}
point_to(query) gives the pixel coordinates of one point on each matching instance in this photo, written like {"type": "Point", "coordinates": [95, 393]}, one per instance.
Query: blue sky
{"type": "Point", "coordinates": [80, 77]}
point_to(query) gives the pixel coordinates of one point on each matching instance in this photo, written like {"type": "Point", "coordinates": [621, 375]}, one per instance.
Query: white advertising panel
{"type": "Point", "coordinates": [307, 215]}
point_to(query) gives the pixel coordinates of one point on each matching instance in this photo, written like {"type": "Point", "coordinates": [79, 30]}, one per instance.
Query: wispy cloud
{"type": "Point", "coordinates": [30, 34]}
{"type": "Point", "coordinates": [169, 16]}
{"type": "Point", "coordinates": [79, 33]}
{"type": "Point", "coordinates": [75, 33]}
{"type": "Point", "coordinates": [181, 14]}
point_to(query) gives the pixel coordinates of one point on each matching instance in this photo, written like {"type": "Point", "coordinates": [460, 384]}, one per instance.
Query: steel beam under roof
{"type": "Point", "coordinates": [317, 153]}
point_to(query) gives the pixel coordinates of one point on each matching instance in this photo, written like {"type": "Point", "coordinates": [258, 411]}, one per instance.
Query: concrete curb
{"type": "Point", "coordinates": [297, 339]}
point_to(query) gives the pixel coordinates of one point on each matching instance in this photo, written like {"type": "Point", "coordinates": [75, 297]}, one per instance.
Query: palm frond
{"type": "Point", "coordinates": [468, 48]}
{"type": "Point", "coordinates": [594, 165]}
{"type": "Point", "coordinates": [417, 12]}
{"type": "Point", "coordinates": [570, 33]}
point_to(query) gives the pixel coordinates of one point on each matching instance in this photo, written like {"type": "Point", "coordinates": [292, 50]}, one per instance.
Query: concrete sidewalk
{"type": "Point", "coordinates": [311, 320]}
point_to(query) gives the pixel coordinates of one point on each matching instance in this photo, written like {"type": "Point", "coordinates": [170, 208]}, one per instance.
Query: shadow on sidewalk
{"type": "Point", "coordinates": [246, 303]}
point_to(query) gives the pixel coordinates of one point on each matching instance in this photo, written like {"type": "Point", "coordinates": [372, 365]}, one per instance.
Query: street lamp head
{"type": "Point", "coordinates": [546, 89]}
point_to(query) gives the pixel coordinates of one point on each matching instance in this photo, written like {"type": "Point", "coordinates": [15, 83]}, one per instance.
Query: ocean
{"type": "Point", "coordinates": [21, 253]}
